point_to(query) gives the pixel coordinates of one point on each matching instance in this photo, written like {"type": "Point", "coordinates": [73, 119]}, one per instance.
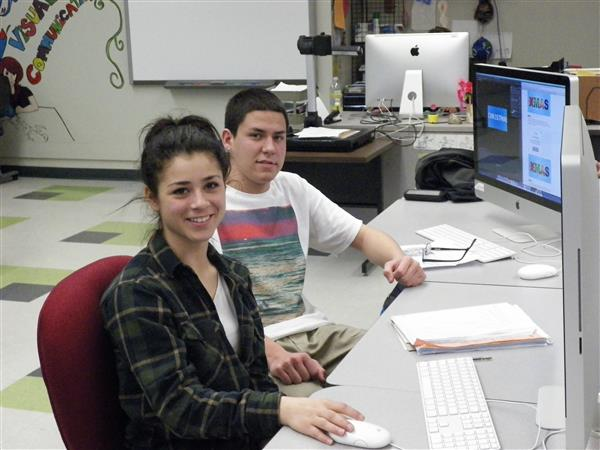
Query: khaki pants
{"type": "Point", "coordinates": [327, 344]}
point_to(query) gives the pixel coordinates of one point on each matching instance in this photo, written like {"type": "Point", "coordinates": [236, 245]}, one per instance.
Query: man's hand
{"type": "Point", "coordinates": [404, 270]}
{"type": "Point", "coordinates": [292, 368]}
{"type": "Point", "coordinates": [598, 168]}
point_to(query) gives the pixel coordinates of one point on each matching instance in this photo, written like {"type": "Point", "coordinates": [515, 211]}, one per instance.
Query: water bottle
{"type": "Point", "coordinates": [376, 23]}
{"type": "Point", "coordinates": [335, 95]}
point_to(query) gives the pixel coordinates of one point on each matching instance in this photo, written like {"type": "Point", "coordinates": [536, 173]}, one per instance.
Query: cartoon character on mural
{"type": "Point", "coordinates": [15, 98]}
{"type": "Point", "coordinates": [21, 97]}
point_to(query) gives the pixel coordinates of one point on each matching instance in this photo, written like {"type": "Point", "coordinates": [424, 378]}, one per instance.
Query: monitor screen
{"type": "Point", "coordinates": [443, 59]}
{"type": "Point", "coordinates": [518, 128]}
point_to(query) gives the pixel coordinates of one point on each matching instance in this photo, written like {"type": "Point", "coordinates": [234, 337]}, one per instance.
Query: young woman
{"type": "Point", "coordinates": [184, 323]}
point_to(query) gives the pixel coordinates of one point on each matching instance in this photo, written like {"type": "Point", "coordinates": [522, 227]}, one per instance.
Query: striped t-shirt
{"type": "Point", "coordinates": [270, 233]}
{"type": "Point", "coordinates": [266, 240]}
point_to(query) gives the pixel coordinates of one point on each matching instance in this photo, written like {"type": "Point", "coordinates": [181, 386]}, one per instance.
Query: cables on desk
{"type": "Point", "coordinates": [549, 435]}
{"type": "Point", "coordinates": [405, 134]}
{"type": "Point", "coordinates": [527, 250]}
{"type": "Point", "coordinates": [380, 115]}
{"type": "Point", "coordinates": [557, 251]}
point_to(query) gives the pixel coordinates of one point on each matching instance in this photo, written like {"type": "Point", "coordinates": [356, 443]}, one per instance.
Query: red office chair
{"type": "Point", "coordinates": [77, 361]}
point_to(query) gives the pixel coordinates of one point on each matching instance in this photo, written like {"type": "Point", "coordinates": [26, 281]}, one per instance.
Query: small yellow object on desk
{"type": "Point", "coordinates": [433, 117]}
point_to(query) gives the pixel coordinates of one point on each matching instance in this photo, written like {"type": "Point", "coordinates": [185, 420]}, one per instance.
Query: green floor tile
{"type": "Point", "coordinates": [74, 193]}
{"type": "Point", "coordinates": [130, 233]}
{"type": "Point", "coordinates": [28, 393]}
{"type": "Point", "coordinates": [6, 221]}
{"type": "Point", "coordinates": [33, 275]}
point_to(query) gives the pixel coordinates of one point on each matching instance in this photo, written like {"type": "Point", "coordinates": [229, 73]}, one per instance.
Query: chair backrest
{"type": "Point", "coordinates": [77, 360]}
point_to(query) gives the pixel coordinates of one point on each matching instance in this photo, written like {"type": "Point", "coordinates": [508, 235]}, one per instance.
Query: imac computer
{"type": "Point", "coordinates": [441, 58]}
{"type": "Point", "coordinates": [533, 156]}
{"type": "Point", "coordinates": [518, 129]}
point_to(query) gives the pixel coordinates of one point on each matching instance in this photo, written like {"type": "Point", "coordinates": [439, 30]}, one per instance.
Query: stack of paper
{"type": "Point", "coordinates": [470, 328]}
{"type": "Point", "coordinates": [323, 132]}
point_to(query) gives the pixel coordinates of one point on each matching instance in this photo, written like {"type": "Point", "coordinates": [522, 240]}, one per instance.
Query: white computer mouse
{"type": "Point", "coordinates": [365, 435]}
{"type": "Point", "coordinates": [537, 271]}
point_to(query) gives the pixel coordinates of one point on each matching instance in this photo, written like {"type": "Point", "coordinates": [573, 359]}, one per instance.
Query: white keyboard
{"type": "Point", "coordinates": [456, 413]}
{"type": "Point", "coordinates": [484, 250]}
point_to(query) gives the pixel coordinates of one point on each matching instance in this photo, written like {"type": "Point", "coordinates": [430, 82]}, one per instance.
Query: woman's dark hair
{"type": "Point", "coordinates": [250, 100]}
{"type": "Point", "coordinates": [168, 137]}
{"type": "Point", "coordinates": [13, 66]}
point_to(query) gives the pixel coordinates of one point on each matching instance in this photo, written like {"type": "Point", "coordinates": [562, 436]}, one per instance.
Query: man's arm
{"type": "Point", "coordinates": [291, 368]}
{"type": "Point", "coordinates": [382, 250]}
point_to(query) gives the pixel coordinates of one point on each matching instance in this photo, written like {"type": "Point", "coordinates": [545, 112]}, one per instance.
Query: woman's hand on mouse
{"type": "Point", "coordinates": [317, 417]}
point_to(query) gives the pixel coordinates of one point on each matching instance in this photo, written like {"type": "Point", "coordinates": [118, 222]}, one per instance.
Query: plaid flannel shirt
{"type": "Point", "coordinates": [181, 383]}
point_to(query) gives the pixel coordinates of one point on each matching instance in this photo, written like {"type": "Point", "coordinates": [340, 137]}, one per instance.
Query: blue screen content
{"type": "Point", "coordinates": [519, 133]}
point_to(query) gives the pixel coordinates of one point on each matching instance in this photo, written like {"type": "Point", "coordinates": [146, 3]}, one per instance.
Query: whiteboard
{"type": "Point", "coordinates": [181, 40]}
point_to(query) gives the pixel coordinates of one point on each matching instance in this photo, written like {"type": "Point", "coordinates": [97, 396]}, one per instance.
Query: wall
{"type": "Point", "coordinates": [90, 115]}
{"type": "Point", "coordinates": [545, 30]}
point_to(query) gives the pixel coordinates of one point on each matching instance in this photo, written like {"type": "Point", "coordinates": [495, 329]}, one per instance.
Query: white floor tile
{"type": "Point", "coordinates": [28, 430]}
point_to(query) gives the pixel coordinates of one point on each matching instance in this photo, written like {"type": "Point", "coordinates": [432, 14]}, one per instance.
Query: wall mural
{"type": "Point", "coordinates": [40, 28]}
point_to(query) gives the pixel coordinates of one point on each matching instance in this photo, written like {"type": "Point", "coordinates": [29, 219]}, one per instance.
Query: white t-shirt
{"type": "Point", "coordinates": [270, 233]}
{"type": "Point", "coordinates": [227, 314]}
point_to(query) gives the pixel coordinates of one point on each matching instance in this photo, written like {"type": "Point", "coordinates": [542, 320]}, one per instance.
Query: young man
{"type": "Point", "coordinates": [272, 218]}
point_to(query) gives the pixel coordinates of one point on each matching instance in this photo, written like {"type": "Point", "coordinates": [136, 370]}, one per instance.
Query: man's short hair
{"type": "Point", "coordinates": [249, 100]}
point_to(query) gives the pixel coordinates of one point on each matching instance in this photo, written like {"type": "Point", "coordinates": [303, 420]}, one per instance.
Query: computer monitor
{"type": "Point", "coordinates": [518, 120]}
{"type": "Point", "coordinates": [443, 59]}
{"type": "Point", "coordinates": [533, 156]}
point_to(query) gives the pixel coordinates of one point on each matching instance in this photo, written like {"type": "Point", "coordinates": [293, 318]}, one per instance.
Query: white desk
{"type": "Point", "coordinates": [402, 414]}
{"type": "Point", "coordinates": [403, 217]}
{"type": "Point", "coordinates": [379, 360]}
{"type": "Point", "coordinates": [379, 377]}
{"type": "Point", "coordinates": [464, 285]}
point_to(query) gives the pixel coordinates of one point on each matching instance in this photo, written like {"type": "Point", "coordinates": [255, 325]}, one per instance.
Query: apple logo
{"type": "Point", "coordinates": [414, 51]}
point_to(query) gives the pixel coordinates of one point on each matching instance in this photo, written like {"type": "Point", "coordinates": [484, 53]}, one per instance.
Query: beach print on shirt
{"type": "Point", "coordinates": [266, 241]}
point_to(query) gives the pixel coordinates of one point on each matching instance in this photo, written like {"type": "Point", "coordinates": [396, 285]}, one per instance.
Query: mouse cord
{"type": "Point", "coordinates": [546, 245]}
{"type": "Point", "coordinates": [536, 243]}
{"type": "Point", "coordinates": [396, 446]}
{"type": "Point", "coordinates": [549, 435]}
{"type": "Point", "coordinates": [531, 405]}
{"type": "Point", "coordinates": [537, 261]}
